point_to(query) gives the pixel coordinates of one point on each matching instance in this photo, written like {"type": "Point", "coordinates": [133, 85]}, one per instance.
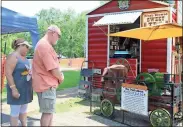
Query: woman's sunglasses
{"type": "Point", "coordinates": [26, 46]}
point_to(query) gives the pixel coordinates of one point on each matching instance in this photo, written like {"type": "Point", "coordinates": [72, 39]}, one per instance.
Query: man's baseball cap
{"type": "Point", "coordinates": [54, 28]}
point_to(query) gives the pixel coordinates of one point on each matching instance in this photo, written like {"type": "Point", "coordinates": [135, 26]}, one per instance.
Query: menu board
{"type": "Point", "coordinates": [134, 98]}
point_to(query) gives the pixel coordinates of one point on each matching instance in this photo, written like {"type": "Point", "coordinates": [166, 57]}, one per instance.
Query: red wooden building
{"type": "Point", "coordinates": [115, 16]}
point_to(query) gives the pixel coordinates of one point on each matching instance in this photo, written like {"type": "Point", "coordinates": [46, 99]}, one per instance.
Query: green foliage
{"type": "Point", "coordinates": [72, 27]}
{"type": "Point", "coordinates": [9, 38]}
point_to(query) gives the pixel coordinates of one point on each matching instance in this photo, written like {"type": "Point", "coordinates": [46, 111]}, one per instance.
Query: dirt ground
{"type": "Point", "coordinates": [75, 115]}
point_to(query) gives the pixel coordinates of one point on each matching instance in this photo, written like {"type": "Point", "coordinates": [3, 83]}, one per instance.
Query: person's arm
{"type": "Point", "coordinates": [51, 65]}
{"type": "Point", "coordinates": [10, 64]}
{"type": "Point", "coordinates": [57, 74]}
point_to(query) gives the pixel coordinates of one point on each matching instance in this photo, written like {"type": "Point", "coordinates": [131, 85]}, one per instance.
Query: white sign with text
{"type": "Point", "coordinates": [134, 100]}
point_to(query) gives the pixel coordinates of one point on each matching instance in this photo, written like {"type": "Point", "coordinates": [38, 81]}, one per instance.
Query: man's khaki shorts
{"type": "Point", "coordinates": [47, 101]}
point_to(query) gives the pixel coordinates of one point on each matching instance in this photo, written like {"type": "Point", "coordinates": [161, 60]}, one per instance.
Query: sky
{"type": "Point", "coordinates": [30, 8]}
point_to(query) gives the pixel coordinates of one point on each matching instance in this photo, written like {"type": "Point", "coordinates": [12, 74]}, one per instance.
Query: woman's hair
{"type": "Point", "coordinates": [16, 43]}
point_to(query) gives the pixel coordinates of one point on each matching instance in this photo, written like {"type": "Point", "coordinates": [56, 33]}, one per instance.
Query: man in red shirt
{"type": "Point", "coordinates": [46, 75]}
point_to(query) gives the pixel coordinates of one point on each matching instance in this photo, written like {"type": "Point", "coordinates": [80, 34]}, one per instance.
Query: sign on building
{"type": "Point", "coordinates": [155, 18]}
{"type": "Point", "coordinates": [123, 4]}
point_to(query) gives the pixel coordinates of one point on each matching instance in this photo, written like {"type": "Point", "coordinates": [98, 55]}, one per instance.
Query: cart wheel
{"type": "Point", "coordinates": [160, 117]}
{"type": "Point", "coordinates": [107, 108]}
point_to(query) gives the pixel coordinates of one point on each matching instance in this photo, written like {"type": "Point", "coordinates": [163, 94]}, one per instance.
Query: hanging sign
{"type": "Point", "coordinates": [155, 18]}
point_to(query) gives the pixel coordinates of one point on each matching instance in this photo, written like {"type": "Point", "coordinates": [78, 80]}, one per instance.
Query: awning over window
{"type": "Point", "coordinates": [122, 18]}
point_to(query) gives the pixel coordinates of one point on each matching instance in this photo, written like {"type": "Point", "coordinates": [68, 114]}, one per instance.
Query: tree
{"type": "Point", "coordinates": [72, 27]}
{"type": "Point", "coordinates": [9, 38]}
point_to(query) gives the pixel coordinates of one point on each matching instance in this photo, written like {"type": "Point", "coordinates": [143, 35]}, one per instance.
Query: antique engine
{"type": "Point", "coordinates": [155, 81]}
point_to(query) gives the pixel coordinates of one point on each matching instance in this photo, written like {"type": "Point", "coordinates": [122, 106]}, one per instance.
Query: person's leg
{"type": "Point", "coordinates": [51, 120]}
{"type": "Point", "coordinates": [23, 114]}
{"type": "Point", "coordinates": [14, 113]}
{"type": "Point", "coordinates": [46, 119]}
{"type": "Point", "coordinates": [47, 106]}
{"type": "Point", "coordinates": [52, 106]}
{"type": "Point", "coordinates": [39, 95]}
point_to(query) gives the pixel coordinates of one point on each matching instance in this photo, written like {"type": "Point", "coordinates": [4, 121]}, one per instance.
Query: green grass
{"type": "Point", "coordinates": [3, 95]}
{"type": "Point", "coordinates": [70, 105]}
{"type": "Point", "coordinates": [71, 79]}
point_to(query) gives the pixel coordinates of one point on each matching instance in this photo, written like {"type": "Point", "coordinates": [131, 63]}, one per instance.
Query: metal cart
{"type": "Point", "coordinates": [164, 101]}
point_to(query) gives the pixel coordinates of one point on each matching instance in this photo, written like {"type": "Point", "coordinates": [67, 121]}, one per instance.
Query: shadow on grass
{"type": "Point", "coordinates": [104, 120]}
{"type": "Point", "coordinates": [68, 92]}
{"type": "Point", "coordinates": [5, 120]}
{"type": "Point", "coordinates": [129, 118]}
{"type": "Point", "coordinates": [86, 102]}
{"type": "Point", "coordinates": [83, 102]}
